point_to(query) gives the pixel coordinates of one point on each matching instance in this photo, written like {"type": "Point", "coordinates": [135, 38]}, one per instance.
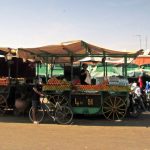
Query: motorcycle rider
{"type": "Point", "coordinates": [137, 94]}
{"type": "Point", "coordinates": [147, 90]}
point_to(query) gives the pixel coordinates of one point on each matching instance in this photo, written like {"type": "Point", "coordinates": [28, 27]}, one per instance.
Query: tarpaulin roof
{"type": "Point", "coordinates": [111, 60]}
{"type": "Point", "coordinates": [142, 59]}
{"type": "Point", "coordinates": [4, 50]}
{"type": "Point", "coordinates": [75, 49]}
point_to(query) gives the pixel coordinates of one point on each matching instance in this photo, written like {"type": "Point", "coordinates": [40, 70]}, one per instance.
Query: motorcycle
{"type": "Point", "coordinates": [147, 101]}
{"type": "Point", "coordinates": [136, 106]}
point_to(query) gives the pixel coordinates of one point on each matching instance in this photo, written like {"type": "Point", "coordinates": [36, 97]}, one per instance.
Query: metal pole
{"type": "Point", "coordinates": [106, 69]}
{"type": "Point", "coordinates": [37, 68]}
{"type": "Point", "coordinates": [46, 69]}
{"type": "Point", "coordinates": [125, 66]}
{"type": "Point", "coordinates": [71, 61]}
{"type": "Point", "coordinates": [140, 40]}
{"type": "Point", "coordinates": [9, 69]}
{"type": "Point", "coordinates": [17, 67]}
{"type": "Point", "coordinates": [146, 42]}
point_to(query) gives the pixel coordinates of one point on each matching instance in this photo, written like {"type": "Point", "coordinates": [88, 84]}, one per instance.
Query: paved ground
{"type": "Point", "coordinates": [86, 133]}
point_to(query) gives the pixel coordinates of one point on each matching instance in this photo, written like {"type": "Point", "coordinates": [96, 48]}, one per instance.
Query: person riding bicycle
{"type": "Point", "coordinates": [37, 89]}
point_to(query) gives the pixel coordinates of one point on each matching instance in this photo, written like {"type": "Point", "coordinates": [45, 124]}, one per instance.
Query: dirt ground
{"type": "Point", "coordinates": [86, 133]}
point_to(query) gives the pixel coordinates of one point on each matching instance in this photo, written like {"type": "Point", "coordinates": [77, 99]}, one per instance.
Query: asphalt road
{"type": "Point", "coordinates": [86, 133]}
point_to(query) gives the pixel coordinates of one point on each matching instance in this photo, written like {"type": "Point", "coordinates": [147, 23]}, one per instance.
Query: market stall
{"type": "Point", "coordinates": [109, 97]}
{"type": "Point", "coordinates": [4, 83]}
{"type": "Point", "coordinates": [15, 77]}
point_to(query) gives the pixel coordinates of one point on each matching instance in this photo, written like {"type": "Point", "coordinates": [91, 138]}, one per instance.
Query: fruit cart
{"type": "Point", "coordinates": [109, 100]}
{"type": "Point", "coordinates": [106, 98]}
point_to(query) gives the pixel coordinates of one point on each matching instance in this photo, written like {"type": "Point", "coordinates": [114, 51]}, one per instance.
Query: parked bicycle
{"type": "Point", "coordinates": [56, 108]}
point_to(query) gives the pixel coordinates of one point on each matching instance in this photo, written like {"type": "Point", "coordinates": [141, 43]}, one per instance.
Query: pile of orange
{"type": "Point", "coordinates": [55, 81]}
{"type": "Point", "coordinates": [62, 85]}
{"type": "Point", "coordinates": [99, 87]}
{"type": "Point", "coordinates": [4, 81]}
{"type": "Point", "coordinates": [102, 87]}
{"type": "Point", "coordinates": [55, 84]}
{"type": "Point", "coordinates": [51, 87]}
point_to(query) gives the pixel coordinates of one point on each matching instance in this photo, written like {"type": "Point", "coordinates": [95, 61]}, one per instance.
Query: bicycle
{"type": "Point", "coordinates": [55, 108]}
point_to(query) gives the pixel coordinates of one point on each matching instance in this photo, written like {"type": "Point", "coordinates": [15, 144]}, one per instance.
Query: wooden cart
{"type": "Point", "coordinates": [109, 100]}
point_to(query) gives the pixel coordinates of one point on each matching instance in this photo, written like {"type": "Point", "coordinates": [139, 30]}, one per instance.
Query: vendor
{"type": "Point", "coordinates": [85, 77]}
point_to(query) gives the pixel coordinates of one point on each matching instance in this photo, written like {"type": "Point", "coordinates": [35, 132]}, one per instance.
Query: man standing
{"type": "Point", "coordinates": [37, 89]}
{"type": "Point", "coordinates": [85, 77]}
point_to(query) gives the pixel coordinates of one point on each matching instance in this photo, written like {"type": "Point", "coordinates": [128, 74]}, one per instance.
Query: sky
{"type": "Point", "coordinates": [113, 24]}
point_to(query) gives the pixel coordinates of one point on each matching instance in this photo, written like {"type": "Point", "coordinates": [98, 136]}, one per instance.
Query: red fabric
{"type": "Point", "coordinates": [140, 82]}
{"type": "Point", "coordinates": [75, 82]}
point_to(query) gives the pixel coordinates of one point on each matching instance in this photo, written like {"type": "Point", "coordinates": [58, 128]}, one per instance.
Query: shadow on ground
{"type": "Point", "coordinates": [82, 120]}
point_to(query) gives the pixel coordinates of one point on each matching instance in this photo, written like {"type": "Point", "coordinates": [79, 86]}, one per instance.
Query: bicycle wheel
{"type": "Point", "coordinates": [64, 115]}
{"type": "Point", "coordinates": [39, 114]}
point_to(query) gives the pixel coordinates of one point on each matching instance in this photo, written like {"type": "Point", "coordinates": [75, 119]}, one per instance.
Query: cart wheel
{"type": "Point", "coordinates": [114, 108]}
{"type": "Point", "coordinates": [3, 104]}
{"type": "Point", "coordinates": [58, 98]}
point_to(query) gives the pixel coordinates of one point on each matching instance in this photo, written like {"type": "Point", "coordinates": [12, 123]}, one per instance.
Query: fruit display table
{"type": "Point", "coordinates": [102, 87]}
{"type": "Point", "coordinates": [109, 100]}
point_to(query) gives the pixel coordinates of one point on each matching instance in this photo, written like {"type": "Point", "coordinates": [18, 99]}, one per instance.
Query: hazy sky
{"type": "Point", "coordinates": [112, 24]}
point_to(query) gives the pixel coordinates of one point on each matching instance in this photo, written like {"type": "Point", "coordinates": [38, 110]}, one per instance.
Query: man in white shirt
{"type": "Point", "coordinates": [138, 95]}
